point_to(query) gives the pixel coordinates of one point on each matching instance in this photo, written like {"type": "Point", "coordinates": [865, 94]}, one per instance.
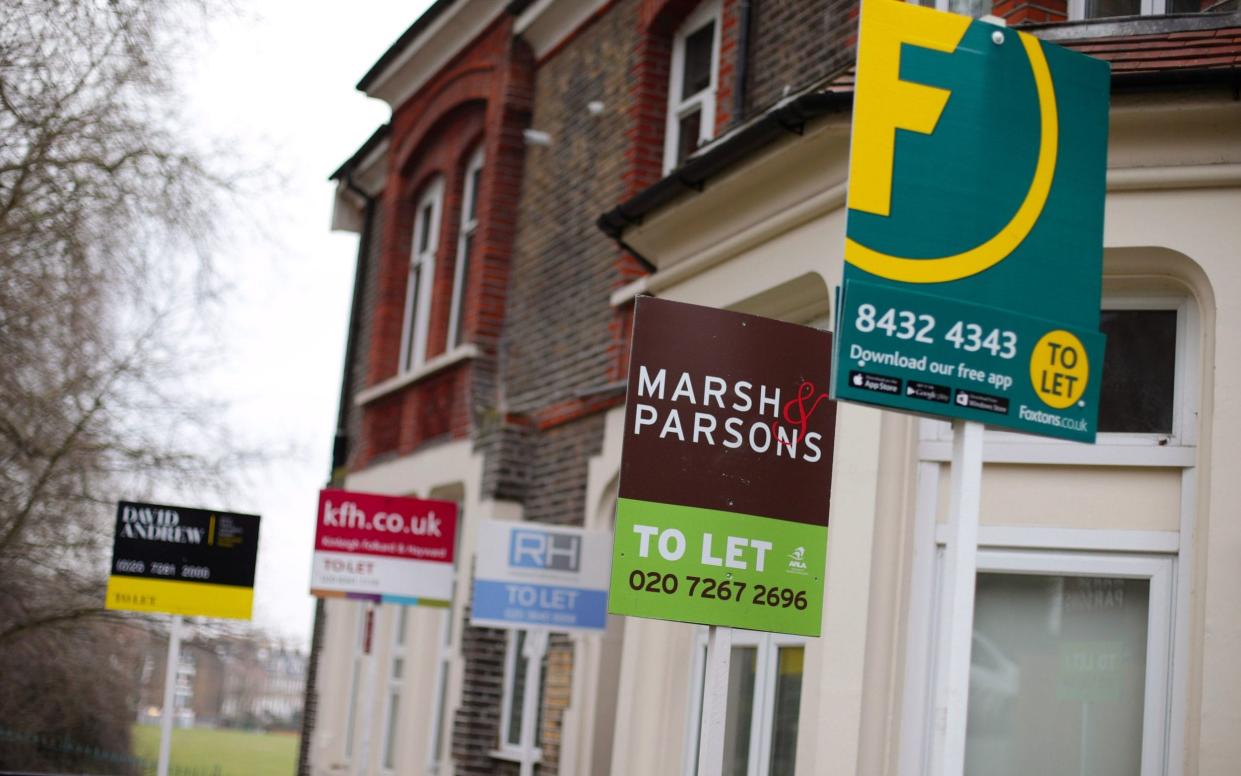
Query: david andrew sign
{"type": "Point", "coordinates": [530, 575]}
{"type": "Point", "coordinates": [384, 548]}
{"type": "Point", "coordinates": [973, 254]}
{"type": "Point", "coordinates": [177, 560]}
{"type": "Point", "coordinates": [725, 471]}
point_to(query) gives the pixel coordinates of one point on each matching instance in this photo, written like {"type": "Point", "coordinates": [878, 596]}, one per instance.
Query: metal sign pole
{"type": "Point", "coordinates": [362, 756]}
{"type": "Point", "coordinates": [170, 695]}
{"type": "Point", "coordinates": [533, 650]}
{"type": "Point", "coordinates": [714, 701]}
{"type": "Point", "coordinates": [961, 561]}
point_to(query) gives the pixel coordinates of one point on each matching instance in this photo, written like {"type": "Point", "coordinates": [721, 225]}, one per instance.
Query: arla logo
{"type": "Point", "coordinates": [914, 94]}
{"type": "Point", "coordinates": [797, 561]}
{"type": "Point", "coordinates": [546, 550]}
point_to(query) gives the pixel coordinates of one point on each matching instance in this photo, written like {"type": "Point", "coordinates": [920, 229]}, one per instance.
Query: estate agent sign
{"type": "Point", "coordinates": [538, 576]}
{"type": "Point", "coordinates": [384, 548]}
{"type": "Point", "coordinates": [177, 560]}
{"type": "Point", "coordinates": [725, 472]}
{"type": "Point", "coordinates": [973, 256]}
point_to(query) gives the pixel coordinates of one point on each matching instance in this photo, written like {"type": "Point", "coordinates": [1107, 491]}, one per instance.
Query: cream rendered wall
{"type": "Point", "coordinates": [452, 470]}
{"type": "Point", "coordinates": [1173, 221]}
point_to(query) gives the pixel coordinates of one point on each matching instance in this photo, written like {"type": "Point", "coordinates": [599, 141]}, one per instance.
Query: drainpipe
{"type": "Point", "coordinates": [340, 454]}
{"type": "Point", "coordinates": [743, 60]}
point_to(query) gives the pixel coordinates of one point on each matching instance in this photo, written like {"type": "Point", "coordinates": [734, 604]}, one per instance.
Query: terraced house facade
{"type": "Point", "coordinates": [546, 162]}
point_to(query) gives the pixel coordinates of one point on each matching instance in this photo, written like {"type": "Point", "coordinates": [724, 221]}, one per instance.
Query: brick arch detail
{"type": "Point", "coordinates": [481, 99]}
{"type": "Point", "coordinates": [465, 86]}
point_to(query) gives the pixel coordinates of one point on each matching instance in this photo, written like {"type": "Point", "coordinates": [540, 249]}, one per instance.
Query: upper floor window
{"type": "Point", "coordinates": [691, 90]}
{"type": "Point", "coordinates": [465, 246]}
{"type": "Point", "coordinates": [1101, 9]}
{"type": "Point", "coordinates": [421, 277]}
{"type": "Point", "coordinates": [764, 701]}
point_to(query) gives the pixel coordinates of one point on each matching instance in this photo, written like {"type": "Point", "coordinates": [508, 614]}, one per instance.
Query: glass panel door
{"type": "Point", "coordinates": [1058, 675]}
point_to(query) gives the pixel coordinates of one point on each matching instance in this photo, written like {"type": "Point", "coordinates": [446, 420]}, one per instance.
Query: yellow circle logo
{"type": "Point", "coordinates": [1059, 369]}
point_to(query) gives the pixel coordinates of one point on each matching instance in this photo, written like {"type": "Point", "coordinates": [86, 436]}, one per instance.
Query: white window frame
{"type": "Point", "coordinates": [534, 650]}
{"type": "Point", "coordinates": [416, 319]}
{"type": "Point", "coordinates": [469, 227]}
{"type": "Point", "coordinates": [678, 104]}
{"type": "Point", "coordinates": [1077, 9]}
{"type": "Point", "coordinates": [1159, 570]}
{"type": "Point", "coordinates": [439, 698]}
{"type": "Point", "coordinates": [1177, 449]}
{"type": "Point", "coordinates": [1157, 451]}
{"type": "Point", "coordinates": [766, 666]}
{"type": "Point", "coordinates": [396, 681]}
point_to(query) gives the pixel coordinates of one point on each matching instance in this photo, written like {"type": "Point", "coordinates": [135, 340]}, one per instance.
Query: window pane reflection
{"type": "Point", "coordinates": [784, 717]}
{"type": "Point", "coordinates": [1139, 367]}
{"type": "Point", "coordinates": [740, 710]}
{"type": "Point", "coordinates": [1057, 676]}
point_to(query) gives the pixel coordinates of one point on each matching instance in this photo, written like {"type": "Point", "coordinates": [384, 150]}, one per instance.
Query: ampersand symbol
{"type": "Point", "coordinates": [804, 392]}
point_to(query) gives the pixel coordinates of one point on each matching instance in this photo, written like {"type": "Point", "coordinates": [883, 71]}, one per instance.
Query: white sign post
{"type": "Point", "coordinates": [362, 756]}
{"type": "Point", "coordinates": [952, 702]}
{"type": "Point", "coordinates": [170, 695]}
{"type": "Point", "coordinates": [714, 701]}
{"type": "Point", "coordinates": [534, 647]}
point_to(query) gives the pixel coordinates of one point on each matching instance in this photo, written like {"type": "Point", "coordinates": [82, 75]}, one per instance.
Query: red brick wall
{"type": "Point", "coordinates": [1018, 11]}
{"type": "Point", "coordinates": [480, 97]}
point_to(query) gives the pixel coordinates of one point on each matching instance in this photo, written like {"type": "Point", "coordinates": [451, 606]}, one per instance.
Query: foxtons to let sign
{"type": "Point", "coordinates": [974, 243]}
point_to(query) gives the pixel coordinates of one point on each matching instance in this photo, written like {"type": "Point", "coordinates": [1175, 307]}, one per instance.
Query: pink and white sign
{"type": "Point", "coordinates": [384, 548]}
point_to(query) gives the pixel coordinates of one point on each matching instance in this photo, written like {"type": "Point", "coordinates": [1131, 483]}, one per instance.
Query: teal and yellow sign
{"type": "Point", "coordinates": [973, 252]}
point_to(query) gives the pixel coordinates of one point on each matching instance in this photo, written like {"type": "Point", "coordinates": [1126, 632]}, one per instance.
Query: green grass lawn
{"type": "Point", "coordinates": [199, 751]}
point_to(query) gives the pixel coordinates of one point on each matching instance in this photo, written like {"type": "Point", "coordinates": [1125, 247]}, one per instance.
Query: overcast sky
{"type": "Point", "coordinates": [278, 82]}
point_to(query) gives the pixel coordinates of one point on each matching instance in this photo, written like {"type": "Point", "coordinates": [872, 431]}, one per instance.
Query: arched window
{"type": "Point", "coordinates": [421, 276]}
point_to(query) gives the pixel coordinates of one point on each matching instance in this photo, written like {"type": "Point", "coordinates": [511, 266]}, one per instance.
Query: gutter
{"type": "Point", "coordinates": [406, 39]}
{"type": "Point", "coordinates": [340, 441]}
{"type": "Point", "coordinates": [789, 117]}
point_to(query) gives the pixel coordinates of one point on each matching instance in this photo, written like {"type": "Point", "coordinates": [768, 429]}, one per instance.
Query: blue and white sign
{"type": "Point", "coordinates": [535, 576]}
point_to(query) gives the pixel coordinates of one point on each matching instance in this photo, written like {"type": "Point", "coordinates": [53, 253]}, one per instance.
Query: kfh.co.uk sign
{"type": "Point", "coordinates": [384, 548]}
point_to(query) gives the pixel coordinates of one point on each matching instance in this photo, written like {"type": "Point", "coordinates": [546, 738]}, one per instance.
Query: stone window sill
{"type": "Point", "coordinates": [392, 384]}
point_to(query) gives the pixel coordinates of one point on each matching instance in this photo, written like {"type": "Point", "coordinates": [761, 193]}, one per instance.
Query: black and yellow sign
{"type": "Point", "coordinates": [184, 561]}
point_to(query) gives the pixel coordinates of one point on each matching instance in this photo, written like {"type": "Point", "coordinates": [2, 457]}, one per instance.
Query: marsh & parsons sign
{"type": "Point", "coordinates": [177, 560]}
{"type": "Point", "coordinates": [530, 575]}
{"type": "Point", "coordinates": [384, 548]}
{"type": "Point", "coordinates": [974, 247]}
{"type": "Point", "coordinates": [725, 471]}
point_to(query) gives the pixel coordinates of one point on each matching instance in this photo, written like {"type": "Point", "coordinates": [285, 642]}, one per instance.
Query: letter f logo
{"type": "Point", "coordinates": [883, 103]}
{"type": "Point", "coordinates": [889, 104]}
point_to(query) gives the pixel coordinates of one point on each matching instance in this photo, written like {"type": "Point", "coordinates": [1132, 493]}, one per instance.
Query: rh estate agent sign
{"type": "Point", "coordinates": [384, 548]}
{"type": "Point", "coordinates": [538, 576]}
{"type": "Point", "coordinates": [725, 471]}
{"type": "Point", "coordinates": [973, 256]}
{"type": "Point", "coordinates": [178, 560]}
